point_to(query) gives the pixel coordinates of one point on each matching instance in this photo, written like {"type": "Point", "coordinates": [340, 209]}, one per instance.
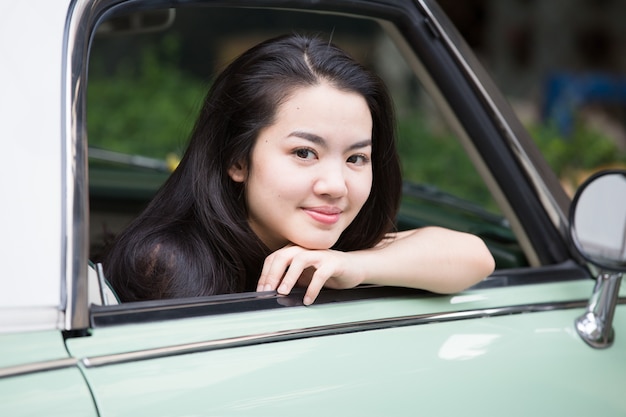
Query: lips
{"type": "Point", "coordinates": [325, 215]}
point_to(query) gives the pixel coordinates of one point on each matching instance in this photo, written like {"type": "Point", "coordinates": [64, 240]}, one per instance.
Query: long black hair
{"type": "Point", "coordinates": [193, 238]}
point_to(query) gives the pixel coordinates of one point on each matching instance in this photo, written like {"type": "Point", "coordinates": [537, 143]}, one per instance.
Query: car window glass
{"type": "Point", "coordinates": [145, 89]}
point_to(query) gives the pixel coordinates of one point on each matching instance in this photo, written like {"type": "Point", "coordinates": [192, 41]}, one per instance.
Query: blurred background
{"type": "Point", "coordinates": [560, 63]}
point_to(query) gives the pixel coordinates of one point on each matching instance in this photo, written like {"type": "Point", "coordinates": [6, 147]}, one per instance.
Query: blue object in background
{"type": "Point", "coordinates": [565, 93]}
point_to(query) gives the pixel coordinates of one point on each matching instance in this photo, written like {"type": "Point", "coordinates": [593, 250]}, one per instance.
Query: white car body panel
{"type": "Point", "coordinates": [32, 209]}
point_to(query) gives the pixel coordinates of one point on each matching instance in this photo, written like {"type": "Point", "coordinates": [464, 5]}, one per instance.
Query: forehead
{"type": "Point", "coordinates": [324, 105]}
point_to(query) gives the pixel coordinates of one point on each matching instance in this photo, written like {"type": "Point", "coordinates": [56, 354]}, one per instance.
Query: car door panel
{"type": "Point", "coordinates": [357, 373]}
{"type": "Point", "coordinates": [365, 358]}
{"type": "Point", "coordinates": [38, 377]}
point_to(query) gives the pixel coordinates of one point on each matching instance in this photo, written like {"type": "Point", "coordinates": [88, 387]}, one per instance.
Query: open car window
{"type": "Point", "coordinates": [145, 89]}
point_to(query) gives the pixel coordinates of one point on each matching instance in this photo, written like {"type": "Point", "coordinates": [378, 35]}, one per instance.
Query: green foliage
{"type": "Point", "coordinates": [145, 108]}
{"type": "Point", "coordinates": [432, 155]}
{"type": "Point", "coordinates": [586, 149]}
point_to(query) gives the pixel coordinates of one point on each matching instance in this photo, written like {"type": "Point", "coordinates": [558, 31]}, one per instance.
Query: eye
{"type": "Point", "coordinates": [358, 159]}
{"type": "Point", "coordinates": [304, 153]}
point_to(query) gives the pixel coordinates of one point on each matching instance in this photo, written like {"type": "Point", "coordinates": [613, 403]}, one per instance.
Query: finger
{"type": "Point", "coordinates": [298, 265]}
{"type": "Point", "coordinates": [315, 286]}
{"type": "Point", "coordinates": [274, 268]}
{"type": "Point", "coordinates": [264, 282]}
{"type": "Point", "coordinates": [269, 279]}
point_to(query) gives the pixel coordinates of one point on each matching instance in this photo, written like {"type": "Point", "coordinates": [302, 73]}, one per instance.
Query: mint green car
{"type": "Point", "coordinates": [544, 335]}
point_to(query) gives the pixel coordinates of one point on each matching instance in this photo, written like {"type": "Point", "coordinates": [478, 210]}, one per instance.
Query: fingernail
{"type": "Point", "coordinates": [267, 287]}
{"type": "Point", "coordinates": [307, 301]}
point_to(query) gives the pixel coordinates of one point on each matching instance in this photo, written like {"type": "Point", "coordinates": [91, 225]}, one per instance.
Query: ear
{"type": "Point", "coordinates": [238, 172]}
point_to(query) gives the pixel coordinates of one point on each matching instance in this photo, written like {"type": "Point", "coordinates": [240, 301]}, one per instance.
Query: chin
{"type": "Point", "coordinates": [317, 244]}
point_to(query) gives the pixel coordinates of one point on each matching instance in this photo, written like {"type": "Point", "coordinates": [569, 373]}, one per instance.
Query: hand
{"type": "Point", "coordinates": [314, 269]}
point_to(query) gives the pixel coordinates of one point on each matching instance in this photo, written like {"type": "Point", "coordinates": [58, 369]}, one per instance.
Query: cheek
{"type": "Point", "coordinates": [274, 180]}
{"type": "Point", "coordinates": [361, 188]}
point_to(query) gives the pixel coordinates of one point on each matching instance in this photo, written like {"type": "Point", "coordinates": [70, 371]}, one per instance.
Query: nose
{"type": "Point", "coordinates": [331, 181]}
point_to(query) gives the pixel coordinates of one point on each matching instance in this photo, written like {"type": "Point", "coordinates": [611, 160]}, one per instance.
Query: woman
{"type": "Point", "coordinates": [291, 178]}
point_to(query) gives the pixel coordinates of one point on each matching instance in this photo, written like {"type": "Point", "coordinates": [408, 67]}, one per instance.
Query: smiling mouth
{"type": "Point", "coordinates": [324, 215]}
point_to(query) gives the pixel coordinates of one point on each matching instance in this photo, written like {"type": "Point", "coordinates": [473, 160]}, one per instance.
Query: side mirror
{"type": "Point", "coordinates": [598, 231]}
{"type": "Point", "coordinates": [598, 220]}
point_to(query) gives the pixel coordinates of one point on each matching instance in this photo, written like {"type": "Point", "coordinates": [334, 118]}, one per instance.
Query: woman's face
{"type": "Point", "coordinates": [310, 171]}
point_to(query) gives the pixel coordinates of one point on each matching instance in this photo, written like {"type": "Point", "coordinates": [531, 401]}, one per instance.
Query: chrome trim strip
{"type": "Point", "coordinates": [326, 330]}
{"type": "Point", "coordinates": [79, 28]}
{"type": "Point", "coordinates": [38, 367]}
{"type": "Point", "coordinates": [74, 137]}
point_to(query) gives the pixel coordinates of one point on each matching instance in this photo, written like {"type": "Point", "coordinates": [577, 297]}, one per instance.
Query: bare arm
{"type": "Point", "coordinates": [431, 258]}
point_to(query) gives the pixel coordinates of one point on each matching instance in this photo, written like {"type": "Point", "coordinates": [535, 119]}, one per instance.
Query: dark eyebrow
{"type": "Point", "coordinates": [318, 140]}
{"type": "Point", "coordinates": [311, 137]}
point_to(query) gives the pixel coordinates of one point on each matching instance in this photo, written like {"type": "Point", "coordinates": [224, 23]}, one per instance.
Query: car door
{"type": "Point", "coordinates": [386, 356]}
{"type": "Point", "coordinates": [507, 345]}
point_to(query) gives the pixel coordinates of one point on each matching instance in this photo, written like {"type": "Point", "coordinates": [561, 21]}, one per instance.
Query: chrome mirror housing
{"type": "Point", "coordinates": [598, 231]}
